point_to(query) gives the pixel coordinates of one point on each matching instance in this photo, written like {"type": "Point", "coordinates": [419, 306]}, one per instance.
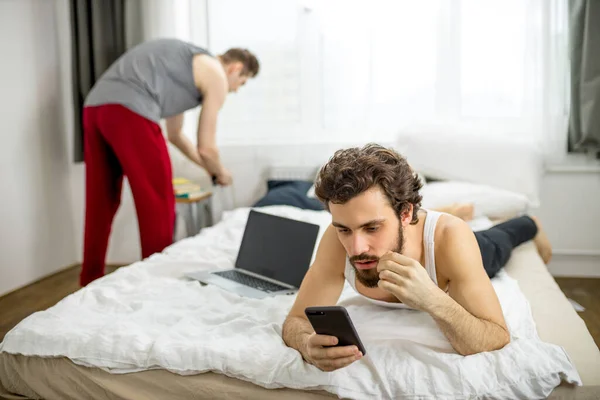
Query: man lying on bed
{"type": "Point", "coordinates": [398, 255]}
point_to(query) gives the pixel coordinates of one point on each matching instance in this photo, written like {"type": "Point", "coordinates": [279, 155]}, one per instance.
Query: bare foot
{"type": "Point", "coordinates": [542, 242]}
{"type": "Point", "coordinates": [464, 211]}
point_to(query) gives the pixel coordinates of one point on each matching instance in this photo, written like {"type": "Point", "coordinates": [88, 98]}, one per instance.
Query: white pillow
{"type": "Point", "coordinates": [487, 200]}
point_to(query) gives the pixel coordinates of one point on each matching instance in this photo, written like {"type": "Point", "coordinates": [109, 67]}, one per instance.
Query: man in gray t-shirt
{"type": "Point", "coordinates": [158, 79]}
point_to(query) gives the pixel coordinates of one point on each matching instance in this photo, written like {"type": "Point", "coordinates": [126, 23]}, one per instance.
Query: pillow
{"type": "Point", "coordinates": [289, 193]}
{"type": "Point", "coordinates": [487, 200]}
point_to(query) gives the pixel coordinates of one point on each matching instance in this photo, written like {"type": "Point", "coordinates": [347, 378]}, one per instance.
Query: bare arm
{"type": "Point", "coordinates": [471, 317]}
{"type": "Point", "coordinates": [213, 86]}
{"type": "Point", "coordinates": [321, 286]}
{"type": "Point", "coordinates": [185, 145]}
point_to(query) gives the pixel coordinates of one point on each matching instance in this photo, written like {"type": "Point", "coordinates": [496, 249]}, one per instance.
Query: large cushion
{"type": "Point", "coordinates": [289, 193]}
{"type": "Point", "coordinates": [487, 200]}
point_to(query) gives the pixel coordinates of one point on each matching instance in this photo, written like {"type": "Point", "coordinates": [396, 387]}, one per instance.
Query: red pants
{"type": "Point", "coordinates": [120, 142]}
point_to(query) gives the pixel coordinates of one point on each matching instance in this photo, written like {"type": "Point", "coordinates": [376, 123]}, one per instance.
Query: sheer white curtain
{"type": "Point", "coordinates": [490, 66]}
{"type": "Point", "coordinates": [340, 70]}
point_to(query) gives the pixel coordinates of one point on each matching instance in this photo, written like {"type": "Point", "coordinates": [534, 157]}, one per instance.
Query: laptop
{"type": "Point", "coordinates": [273, 258]}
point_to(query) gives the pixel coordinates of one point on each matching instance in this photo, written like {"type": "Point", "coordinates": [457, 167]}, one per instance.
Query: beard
{"type": "Point", "coordinates": [370, 277]}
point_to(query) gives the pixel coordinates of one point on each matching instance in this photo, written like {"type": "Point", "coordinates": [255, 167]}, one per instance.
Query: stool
{"type": "Point", "coordinates": [197, 213]}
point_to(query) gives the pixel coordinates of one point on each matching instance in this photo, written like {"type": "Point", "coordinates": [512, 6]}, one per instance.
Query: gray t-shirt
{"type": "Point", "coordinates": [153, 79]}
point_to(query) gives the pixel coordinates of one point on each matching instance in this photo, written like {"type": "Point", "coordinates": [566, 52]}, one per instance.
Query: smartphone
{"type": "Point", "coordinates": [335, 321]}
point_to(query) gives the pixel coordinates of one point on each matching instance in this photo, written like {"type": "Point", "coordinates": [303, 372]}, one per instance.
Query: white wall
{"type": "Point", "coordinates": [570, 212]}
{"type": "Point", "coordinates": [36, 221]}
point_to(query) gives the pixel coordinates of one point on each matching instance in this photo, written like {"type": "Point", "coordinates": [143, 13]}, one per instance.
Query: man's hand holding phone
{"type": "Point", "coordinates": [335, 343]}
{"type": "Point", "coordinates": [322, 351]}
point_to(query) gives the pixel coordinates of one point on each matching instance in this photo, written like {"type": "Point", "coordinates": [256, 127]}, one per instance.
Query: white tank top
{"type": "Point", "coordinates": [429, 247]}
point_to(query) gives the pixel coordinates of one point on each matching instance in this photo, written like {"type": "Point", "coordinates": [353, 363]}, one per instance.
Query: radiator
{"type": "Point", "coordinates": [292, 173]}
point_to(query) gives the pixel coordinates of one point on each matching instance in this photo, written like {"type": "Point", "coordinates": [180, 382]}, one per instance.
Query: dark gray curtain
{"type": "Point", "coordinates": [584, 47]}
{"type": "Point", "coordinates": [98, 39]}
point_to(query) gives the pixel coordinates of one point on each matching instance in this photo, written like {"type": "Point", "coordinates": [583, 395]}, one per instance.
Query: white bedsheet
{"type": "Point", "coordinates": [145, 316]}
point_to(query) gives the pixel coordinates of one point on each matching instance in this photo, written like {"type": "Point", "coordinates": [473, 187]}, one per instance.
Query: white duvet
{"type": "Point", "coordinates": [146, 316]}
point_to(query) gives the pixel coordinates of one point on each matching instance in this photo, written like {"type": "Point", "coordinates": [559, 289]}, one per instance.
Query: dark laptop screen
{"type": "Point", "coordinates": [277, 247]}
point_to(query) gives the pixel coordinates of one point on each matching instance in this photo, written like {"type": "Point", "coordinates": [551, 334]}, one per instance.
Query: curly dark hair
{"type": "Point", "coordinates": [352, 171]}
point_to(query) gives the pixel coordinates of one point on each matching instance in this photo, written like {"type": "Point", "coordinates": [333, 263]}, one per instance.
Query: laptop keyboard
{"type": "Point", "coordinates": [251, 281]}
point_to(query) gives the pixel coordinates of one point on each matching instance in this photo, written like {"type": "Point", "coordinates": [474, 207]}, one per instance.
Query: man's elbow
{"type": "Point", "coordinates": [173, 137]}
{"type": "Point", "coordinates": [207, 151]}
{"type": "Point", "coordinates": [502, 338]}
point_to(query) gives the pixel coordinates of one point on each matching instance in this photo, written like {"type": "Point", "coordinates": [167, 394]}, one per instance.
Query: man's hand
{"type": "Point", "coordinates": [406, 279]}
{"type": "Point", "coordinates": [319, 351]}
{"type": "Point", "coordinates": [174, 132]}
{"type": "Point", "coordinates": [224, 178]}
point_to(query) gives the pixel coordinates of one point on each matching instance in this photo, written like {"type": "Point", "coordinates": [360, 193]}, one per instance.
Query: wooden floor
{"type": "Point", "coordinates": [43, 294]}
{"type": "Point", "coordinates": [587, 293]}
{"type": "Point", "coordinates": [38, 296]}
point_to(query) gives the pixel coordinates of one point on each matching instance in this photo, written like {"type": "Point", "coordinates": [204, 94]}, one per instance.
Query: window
{"type": "Point", "coordinates": [339, 70]}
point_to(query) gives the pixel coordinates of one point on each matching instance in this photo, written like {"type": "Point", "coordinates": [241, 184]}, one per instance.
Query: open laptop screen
{"type": "Point", "coordinates": [277, 247]}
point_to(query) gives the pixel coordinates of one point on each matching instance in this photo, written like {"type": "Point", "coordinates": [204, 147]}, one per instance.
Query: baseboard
{"type": "Point", "coordinates": [582, 266]}
{"type": "Point", "coordinates": [113, 264]}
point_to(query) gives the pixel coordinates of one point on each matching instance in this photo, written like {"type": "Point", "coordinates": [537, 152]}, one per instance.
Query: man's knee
{"type": "Point", "coordinates": [495, 247]}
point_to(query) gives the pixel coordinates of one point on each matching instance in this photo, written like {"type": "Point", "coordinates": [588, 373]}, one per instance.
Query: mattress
{"type": "Point", "coordinates": [37, 377]}
{"type": "Point", "coordinates": [24, 377]}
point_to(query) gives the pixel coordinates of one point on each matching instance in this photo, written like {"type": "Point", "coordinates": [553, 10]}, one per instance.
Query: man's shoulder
{"type": "Point", "coordinates": [448, 225]}
{"type": "Point", "coordinates": [208, 71]}
{"type": "Point", "coordinates": [451, 236]}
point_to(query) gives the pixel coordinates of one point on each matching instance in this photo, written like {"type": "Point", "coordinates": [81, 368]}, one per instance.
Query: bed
{"type": "Point", "coordinates": [118, 356]}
